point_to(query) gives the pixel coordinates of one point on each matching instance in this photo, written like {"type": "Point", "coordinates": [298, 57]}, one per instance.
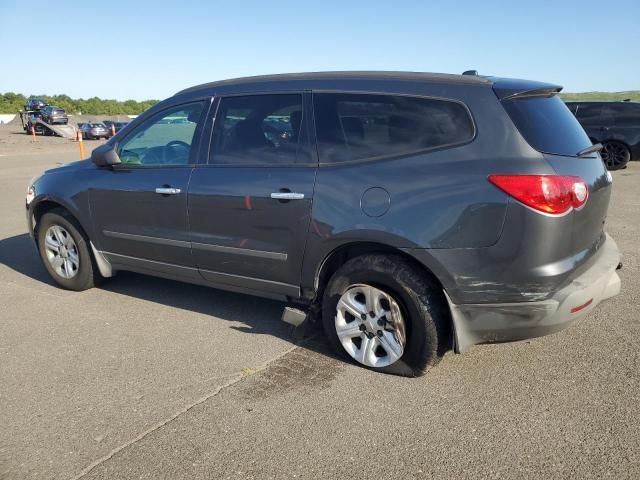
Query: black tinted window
{"type": "Point", "coordinates": [258, 129]}
{"type": "Point", "coordinates": [357, 126]}
{"type": "Point", "coordinates": [547, 124]}
{"type": "Point", "coordinates": [589, 113]}
{"type": "Point", "coordinates": [572, 107]}
{"type": "Point", "coordinates": [627, 115]}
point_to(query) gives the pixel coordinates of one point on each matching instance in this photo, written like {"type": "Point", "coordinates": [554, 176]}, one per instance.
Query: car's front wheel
{"type": "Point", "coordinates": [64, 252]}
{"type": "Point", "coordinates": [615, 154]}
{"type": "Point", "coordinates": [386, 315]}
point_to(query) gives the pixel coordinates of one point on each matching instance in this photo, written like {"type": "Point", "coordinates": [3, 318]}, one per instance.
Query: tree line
{"type": "Point", "coordinates": [12, 102]}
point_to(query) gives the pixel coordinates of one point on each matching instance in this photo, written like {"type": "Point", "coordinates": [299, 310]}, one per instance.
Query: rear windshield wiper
{"type": "Point", "coordinates": [592, 149]}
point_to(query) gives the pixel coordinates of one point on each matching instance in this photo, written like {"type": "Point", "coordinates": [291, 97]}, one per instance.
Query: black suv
{"type": "Point", "coordinates": [54, 115]}
{"type": "Point", "coordinates": [415, 212]}
{"type": "Point", "coordinates": [616, 125]}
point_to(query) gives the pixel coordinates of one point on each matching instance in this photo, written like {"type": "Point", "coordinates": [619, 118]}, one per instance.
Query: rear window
{"type": "Point", "coordinates": [547, 124]}
{"type": "Point", "coordinates": [360, 126]}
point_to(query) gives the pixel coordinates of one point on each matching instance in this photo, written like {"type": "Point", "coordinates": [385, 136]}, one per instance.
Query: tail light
{"type": "Point", "coordinates": [547, 193]}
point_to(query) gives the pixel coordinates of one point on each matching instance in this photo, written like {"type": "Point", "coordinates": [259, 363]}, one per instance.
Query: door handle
{"type": "Point", "coordinates": [167, 191]}
{"type": "Point", "coordinates": [287, 196]}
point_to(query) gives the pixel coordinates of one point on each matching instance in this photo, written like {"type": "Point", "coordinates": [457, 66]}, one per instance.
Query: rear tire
{"type": "Point", "coordinates": [401, 295]}
{"type": "Point", "coordinates": [65, 252]}
{"type": "Point", "coordinates": [615, 154]}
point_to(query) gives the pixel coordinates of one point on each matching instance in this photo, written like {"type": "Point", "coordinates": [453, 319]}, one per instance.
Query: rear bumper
{"type": "Point", "coordinates": [497, 322]}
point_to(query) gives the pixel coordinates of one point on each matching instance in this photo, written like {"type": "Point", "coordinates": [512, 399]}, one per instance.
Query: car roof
{"type": "Point", "coordinates": [289, 79]}
{"type": "Point", "coordinates": [362, 80]}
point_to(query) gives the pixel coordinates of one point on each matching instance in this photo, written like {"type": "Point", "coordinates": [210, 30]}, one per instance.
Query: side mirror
{"type": "Point", "coordinates": [105, 156]}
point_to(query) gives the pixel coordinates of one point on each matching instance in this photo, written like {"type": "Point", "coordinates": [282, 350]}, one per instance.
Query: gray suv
{"type": "Point", "coordinates": [412, 212]}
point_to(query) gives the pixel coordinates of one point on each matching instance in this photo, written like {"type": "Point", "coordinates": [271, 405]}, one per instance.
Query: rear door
{"type": "Point", "coordinates": [250, 205]}
{"type": "Point", "coordinates": [139, 207]}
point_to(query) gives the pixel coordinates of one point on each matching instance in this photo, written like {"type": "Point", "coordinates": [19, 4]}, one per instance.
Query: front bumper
{"type": "Point", "coordinates": [497, 322]}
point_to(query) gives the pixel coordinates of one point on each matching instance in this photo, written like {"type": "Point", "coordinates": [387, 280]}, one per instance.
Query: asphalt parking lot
{"type": "Point", "coordinates": [148, 378]}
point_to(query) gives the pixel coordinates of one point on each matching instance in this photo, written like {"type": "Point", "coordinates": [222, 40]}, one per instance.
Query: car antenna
{"type": "Point", "coordinates": [470, 72]}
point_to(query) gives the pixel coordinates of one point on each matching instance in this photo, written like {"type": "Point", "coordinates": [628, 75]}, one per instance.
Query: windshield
{"type": "Point", "coordinates": [547, 124]}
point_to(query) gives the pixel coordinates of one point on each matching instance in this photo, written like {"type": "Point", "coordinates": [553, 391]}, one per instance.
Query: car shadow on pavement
{"type": "Point", "coordinates": [19, 253]}
{"type": "Point", "coordinates": [257, 315]}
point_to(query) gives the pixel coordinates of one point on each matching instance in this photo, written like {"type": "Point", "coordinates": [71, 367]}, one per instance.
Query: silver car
{"type": "Point", "coordinates": [94, 130]}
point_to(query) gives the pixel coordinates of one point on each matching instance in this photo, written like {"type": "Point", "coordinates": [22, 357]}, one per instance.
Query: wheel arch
{"type": "Point", "coordinates": [617, 140]}
{"type": "Point", "coordinates": [341, 254]}
{"type": "Point", "coordinates": [49, 205]}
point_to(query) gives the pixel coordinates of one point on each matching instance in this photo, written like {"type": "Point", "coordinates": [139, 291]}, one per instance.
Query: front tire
{"type": "Point", "coordinates": [386, 315]}
{"type": "Point", "coordinates": [65, 253]}
{"type": "Point", "coordinates": [615, 154]}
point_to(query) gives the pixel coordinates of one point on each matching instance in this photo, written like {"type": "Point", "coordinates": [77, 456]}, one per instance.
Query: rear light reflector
{"type": "Point", "coordinates": [547, 193]}
{"type": "Point", "coordinates": [580, 307]}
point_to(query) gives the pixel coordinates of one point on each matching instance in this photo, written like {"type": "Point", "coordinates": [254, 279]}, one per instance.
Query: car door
{"type": "Point", "coordinates": [139, 207]}
{"type": "Point", "coordinates": [628, 123]}
{"type": "Point", "coordinates": [589, 116]}
{"type": "Point", "coordinates": [250, 205]}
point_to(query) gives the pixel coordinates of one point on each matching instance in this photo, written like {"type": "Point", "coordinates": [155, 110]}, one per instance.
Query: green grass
{"type": "Point", "coordinates": [632, 94]}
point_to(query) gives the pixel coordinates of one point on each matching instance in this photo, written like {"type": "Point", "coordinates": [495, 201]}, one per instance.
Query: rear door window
{"type": "Point", "coordinates": [354, 126]}
{"type": "Point", "coordinates": [547, 124]}
{"type": "Point", "coordinates": [259, 129]}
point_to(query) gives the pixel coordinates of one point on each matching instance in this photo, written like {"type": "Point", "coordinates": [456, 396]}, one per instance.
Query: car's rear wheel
{"type": "Point", "coordinates": [64, 252]}
{"type": "Point", "coordinates": [383, 313]}
{"type": "Point", "coordinates": [615, 154]}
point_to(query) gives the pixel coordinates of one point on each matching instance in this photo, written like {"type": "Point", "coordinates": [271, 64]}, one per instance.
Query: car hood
{"type": "Point", "coordinates": [71, 166]}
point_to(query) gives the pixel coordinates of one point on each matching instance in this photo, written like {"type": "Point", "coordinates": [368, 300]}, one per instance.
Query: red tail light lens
{"type": "Point", "coordinates": [546, 193]}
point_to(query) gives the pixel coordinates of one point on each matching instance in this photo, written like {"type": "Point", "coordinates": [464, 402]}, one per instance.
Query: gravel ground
{"type": "Point", "coordinates": [149, 378]}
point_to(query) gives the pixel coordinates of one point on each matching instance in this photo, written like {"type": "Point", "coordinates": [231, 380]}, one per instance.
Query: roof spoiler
{"type": "Point", "coordinates": [510, 88]}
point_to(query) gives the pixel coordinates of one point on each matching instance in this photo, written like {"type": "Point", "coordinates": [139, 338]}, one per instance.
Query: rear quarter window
{"type": "Point", "coordinates": [355, 126]}
{"type": "Point", "coordinates": [547, 124]}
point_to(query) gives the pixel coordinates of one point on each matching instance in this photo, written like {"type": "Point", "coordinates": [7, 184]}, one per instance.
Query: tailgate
{"type": "Point", "coordinates": [588, 221]}
{"type": "Point", "coordinates": [548, 126]}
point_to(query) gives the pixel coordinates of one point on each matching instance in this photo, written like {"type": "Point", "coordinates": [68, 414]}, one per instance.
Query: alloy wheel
{"type": "Point", "coordinates": [61, 252]}
{"type": "Point", "coordinates": [370, 326]}
{"type": "Point", "coordinates": [613, 154]}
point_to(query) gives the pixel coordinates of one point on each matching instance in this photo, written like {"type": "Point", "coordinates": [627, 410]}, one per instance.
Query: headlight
{"type": "Point", "coordinates": [31, 192]}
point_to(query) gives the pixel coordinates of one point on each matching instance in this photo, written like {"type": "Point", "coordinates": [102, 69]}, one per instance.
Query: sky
{"type": "Point", "coordinates": [152, 49]}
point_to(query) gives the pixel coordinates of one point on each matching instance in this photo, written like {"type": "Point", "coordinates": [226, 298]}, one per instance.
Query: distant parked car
{"type": "Point", "coordinates": [35, 104]}
{"type": "Point", "coordinates": [117, 125]}
{"type": "Point", "coordinates": [94, 130]}
{"type": "Point", "coordinates": [54, 115]}
{"type": "Point", "coordinates": [616, 125]}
